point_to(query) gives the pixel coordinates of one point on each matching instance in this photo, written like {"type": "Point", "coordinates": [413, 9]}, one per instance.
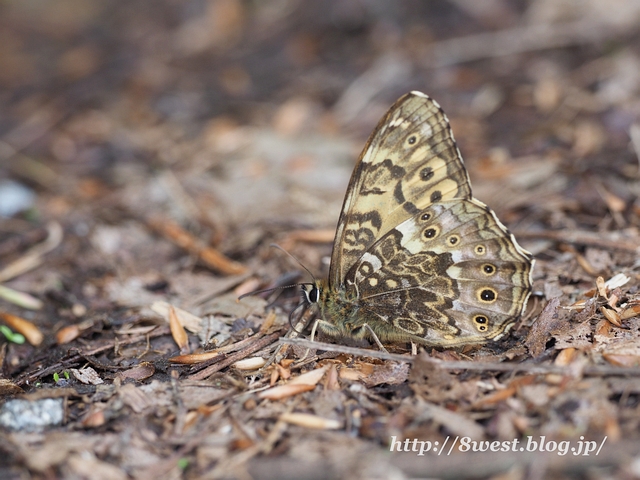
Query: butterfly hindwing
{"type": "Point", "coordinates": [449, 275]}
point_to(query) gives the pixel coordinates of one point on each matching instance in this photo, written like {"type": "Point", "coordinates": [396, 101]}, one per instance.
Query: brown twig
{"type": "Point", "coordinates": [531, 368]}
{"type": "Point", "coordinates": [581, 237]}
{"type": "Point", "coordinates": [361, 352]}
{"type": "Point", "coordinates": [231, 359]}
{"type": "Point", "coordinates": [210, 256]}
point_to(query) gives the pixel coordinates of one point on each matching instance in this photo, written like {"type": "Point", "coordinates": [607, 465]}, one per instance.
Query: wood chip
{"type": "Point", "coordinates": [602, 288]}
{"type": "Point", "coordinates": [252, 363]}
{"type": "Point", "coordinates": [617, 281]}
{"type": "Point", "coordinates": [310, 421]}
{"type": "Point", "coordinates": [195, 358]}
{"type": "Point", "coordinates": [302, 383]}
{"type": "Point", "coordinates": [283, 391]}
{"type": "Point", "coordinates": [310, 378]}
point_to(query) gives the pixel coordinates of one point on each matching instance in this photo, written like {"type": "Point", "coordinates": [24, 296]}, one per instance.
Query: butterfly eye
{"type": "Point", "coordinates": [487, 295]}
{"type": "Point", "coordinates": [412, 140]}
{"type": "Point", "coordinates": [431, 233]}
{"type": "Point", "coordinates": [425, 216]}
{"type": "Point", "coordinates": [480, 250]}
{"type": "Point", "coordinates": [313, 295]}
{"type": "Point", "coordinates": [482, 322]}
{"type": "Point", "coordinates": [488, 269]}
{"type": "Point", "coordinates": [453, 239]}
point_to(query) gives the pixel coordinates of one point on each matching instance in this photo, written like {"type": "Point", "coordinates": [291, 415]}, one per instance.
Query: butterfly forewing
{"type": "Point", "coordinates": [410, 161]}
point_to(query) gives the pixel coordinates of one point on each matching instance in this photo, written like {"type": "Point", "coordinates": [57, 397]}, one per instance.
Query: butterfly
{"type": "Point", "coordinates": [416, 258]}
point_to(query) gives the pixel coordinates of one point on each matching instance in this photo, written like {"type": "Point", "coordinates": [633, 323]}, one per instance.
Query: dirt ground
{"type": "Point", "coordinates": [150, 154]}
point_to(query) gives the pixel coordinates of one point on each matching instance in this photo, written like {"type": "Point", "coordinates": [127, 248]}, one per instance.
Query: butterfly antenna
{"type": "Point", "coordinates": [244, 295]}
{"type": "Point", "coordinates": [275, 245]}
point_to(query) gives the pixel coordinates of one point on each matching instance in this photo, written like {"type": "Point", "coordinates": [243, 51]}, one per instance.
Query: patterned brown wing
{"type": "Point", "coordinates": [410, 161]}
{"type": "Point", "coordinates": [450, 275]}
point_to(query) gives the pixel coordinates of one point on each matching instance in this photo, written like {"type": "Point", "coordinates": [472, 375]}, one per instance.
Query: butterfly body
{"type": "Point", "coordinates": [416, 257]}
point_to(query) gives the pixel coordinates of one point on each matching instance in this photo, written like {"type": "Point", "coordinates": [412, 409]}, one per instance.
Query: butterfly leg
{"type": "Point", "coordinates": [375, 337]}
{"type": "Point", "coordinates": [313, 334]}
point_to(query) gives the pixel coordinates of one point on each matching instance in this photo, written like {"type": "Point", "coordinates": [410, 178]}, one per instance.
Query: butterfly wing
{"type": "Point", "coordinates": [451, 274]}
{"type": "Point", "coordinates": [410, 161]}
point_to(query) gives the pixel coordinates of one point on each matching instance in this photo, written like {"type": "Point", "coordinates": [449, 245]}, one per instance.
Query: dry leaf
{"type": "Point", "coordinates": [541, 330]}
{"type": "Point", "coordinates": [630, 311]}
{"type": "Point", "coordinates": [70, 333]}
{"type": "Point", "coordinates": [331, 382]}
{"type": "Point", "coordinates": [611, 315]}
{"type": "Point", "coordinates": [177, 331]}
{"type": "Point", "coordinates": [565, 356]}
{"type": "Point", "coordinates": [94, 418]}
{"type": "Point", "coordinates": [390, 373]}
{"type": "Point", "coordinates": [7, 387]}
{"type": "Point", "coordinates": [139, 372]}
{"type": "Point", "coordinates": [622, 360]}
{"type": "Point", "coordinates": [87, 375]}
{"type": "Point", "coordinates": [187, 320]}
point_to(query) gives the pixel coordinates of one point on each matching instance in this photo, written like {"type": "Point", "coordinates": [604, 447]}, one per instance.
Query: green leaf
{"type": "Point", "coordinates": [11, 336]}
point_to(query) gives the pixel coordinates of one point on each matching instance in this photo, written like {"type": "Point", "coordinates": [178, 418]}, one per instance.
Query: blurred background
{"type": "Point", "coordinates": [253, 113]}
